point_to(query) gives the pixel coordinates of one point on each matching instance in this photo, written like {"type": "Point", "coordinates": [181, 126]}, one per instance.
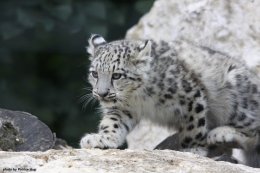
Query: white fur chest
{"type": "Point", "coordinates": [149, 108]}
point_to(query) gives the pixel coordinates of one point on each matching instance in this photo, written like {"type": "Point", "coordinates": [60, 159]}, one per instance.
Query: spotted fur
{"type": "Point", "coordinates": [180, 85]}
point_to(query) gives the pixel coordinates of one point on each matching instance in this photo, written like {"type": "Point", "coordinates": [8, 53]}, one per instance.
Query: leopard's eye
{"type": "Point", "coordinates": [116, 76]}
{"type": "Point", "coordinates": [94, 74]}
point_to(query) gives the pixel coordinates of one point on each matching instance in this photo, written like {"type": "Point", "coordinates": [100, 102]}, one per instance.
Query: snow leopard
{"type": "Point", "coordinates": [208, 97]}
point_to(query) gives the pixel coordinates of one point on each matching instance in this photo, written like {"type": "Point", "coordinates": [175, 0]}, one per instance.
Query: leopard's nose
{"type": "Point", "coordinates": [103, 94]}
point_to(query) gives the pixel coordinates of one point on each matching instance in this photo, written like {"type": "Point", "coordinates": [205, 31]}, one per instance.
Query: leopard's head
{"type": "Point", "coordinates": [117, 68]}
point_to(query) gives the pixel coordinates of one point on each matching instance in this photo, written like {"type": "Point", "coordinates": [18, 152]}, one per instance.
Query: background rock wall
{"type": "Point", "coordinates": [232, 26]}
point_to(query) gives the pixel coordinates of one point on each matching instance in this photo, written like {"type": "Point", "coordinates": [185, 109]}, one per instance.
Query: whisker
{"type": "Point", "coordinates": [88, 89]}
{"type": "Point", "coordinates": [87, 99]}
{"type": "Point", "coordinates": [98, 110]}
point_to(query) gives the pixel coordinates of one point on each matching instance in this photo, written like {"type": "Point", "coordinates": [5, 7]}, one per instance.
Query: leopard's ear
{"type": "Point", "coordinates": [94, 41]}
{"type": "Point", "coordinates": [145, 49]}
{"type": "Point", "coordinates": [143, 56]}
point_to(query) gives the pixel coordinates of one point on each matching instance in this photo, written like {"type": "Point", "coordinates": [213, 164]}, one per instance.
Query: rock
{"type": "Point", "coordinates": [147, 135]}
{"type": "Point", "coordinates": [95, 161]}
{"type": "Point", "coordinates": [61, 144]}
{"type": "Point", "coordinates": [9, 136]}
{"type": "Point", "coordinates": [21, 131]}
{"type": "Point", "coordinates": [170, 143]}
{"type": "Point", "coordinates": [230, 26]}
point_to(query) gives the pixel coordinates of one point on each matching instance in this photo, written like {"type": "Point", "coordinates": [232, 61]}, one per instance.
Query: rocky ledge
{"type": "Point", "coordinates": [104, 161]}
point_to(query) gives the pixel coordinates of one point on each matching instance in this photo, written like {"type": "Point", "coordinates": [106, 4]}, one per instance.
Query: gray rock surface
{"type": "Point", "coordinates": [21, 131]}
{"type": "Point", "coordinates": [230, 26]}
{"type": "Point", "coordinates": [114, 161]}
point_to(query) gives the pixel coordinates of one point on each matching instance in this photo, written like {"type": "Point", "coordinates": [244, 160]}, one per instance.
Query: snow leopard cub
{"type": "Point", "coordinates": [208, 97]}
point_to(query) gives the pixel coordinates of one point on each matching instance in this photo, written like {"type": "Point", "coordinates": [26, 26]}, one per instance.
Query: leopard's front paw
{"type": "Point", "coordinates": [231, 136]}
{"type": "Point", "coordinates": [91, 141]}
{"type": "Point", "coordinates": [97, 141]}
{"type": "Point", "coordinates": [221, 135]}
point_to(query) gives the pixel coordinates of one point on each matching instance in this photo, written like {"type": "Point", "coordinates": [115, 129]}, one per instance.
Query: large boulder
{"type": "Point", "coordinates": [116, 161]}
{"type": "Point", "coordinates": [22, 131]}
{"type": "Point", "coordinates": [230, 26]}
